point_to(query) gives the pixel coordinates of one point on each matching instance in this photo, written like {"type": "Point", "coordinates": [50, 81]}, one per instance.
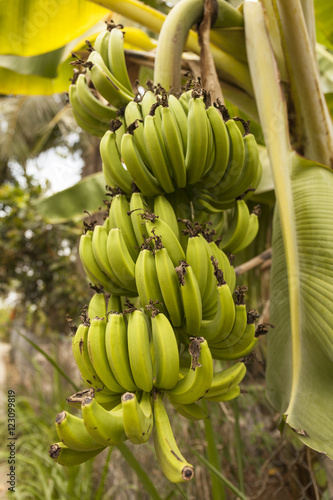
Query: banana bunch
{"type": "Point", "coordinates": [104, 87]}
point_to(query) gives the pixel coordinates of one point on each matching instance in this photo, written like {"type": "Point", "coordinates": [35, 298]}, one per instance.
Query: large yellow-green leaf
{"type": "Point", "coordinates": [324, 25]}
{"type": "Point", "coordinates": [70, 204]}
{"type": "Point", "coordinates": [32, 27]}
{"type": "Point", "coordinates": [300, 348]}
{"type": "Point", "coordinates": [300, 369]}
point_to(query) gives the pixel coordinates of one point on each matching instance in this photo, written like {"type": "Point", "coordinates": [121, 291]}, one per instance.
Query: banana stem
{"type": "Point", "coordinates": [239, 447]}
{"type": "Point", "coordinates": [141, 474]}
{"type": "Point", "coordinates": [305, 84]}
{"type": "Point", "coordinates": [218, 492]}
{"type": "Point", "coordinates": [100, 490]}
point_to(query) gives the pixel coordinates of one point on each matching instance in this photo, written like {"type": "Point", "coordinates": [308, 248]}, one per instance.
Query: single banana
{"type": "Point", "coordinates": [97, 306]}
{"type": "Point", "coordinates": [223, 264]}
{"type": "Point", "coordinates": [146, 278]}
{"type": "Point", "coordinates": [91, 104]}
{"type": "Point", "coordinates": [155, 225]}
{"type": "Point", "coordinates": [68, 457]}
{"type": "Point", "coordinates": [238, 227]}
{"type": "Point", "coordinates": [244, 341]}
{"type": "Point", "coordinates": [222, 148]}
{"type": "Point", "coordinates": [101, 45]}
{"type": "Point", "coordinates": [106, 427]}
{"type": "Point", "coordinates": [238, 328]}
{"type": "Point", "coordinates": [98, 356]}
{"type": "Point", "coordinates": [181, 118]}
{"type": "Point", "coordinates": [198, 378]}
{"type": "Point", "coordinates": [137, 417]}
{"type": "Point", "coordinates": [134, 120]}
{"type": "Point", "coordinates": [136, 167]}
{"type": "Point", "coordinates": [226, 379]}
{"type": "Point", "coordinates": [168, 282]}
{"type": "Point", "coordinates": [107, 400]}
{"type": "Point", "coordinates": [148, 100]}
{"type": "Point", "coordinates": [184, 100]}
{"type": "Point", "coordinates": [139, 349]}
{"type": "Point", "coordinates": [252, 230]}
{"type": "Point", "coordinates": [137, 204]}
{"type": "Point", "coordinates": [157, 156]}
{"type": "Point", "coordinates": [191, 298]}
{"type": "Point", "coordinates": [249, 169]}
{"type": "Point", "coordinates": [117, 351]}
{"type": "Point", "coordinates": [72, 432]}
{"type": "Point", "coordinates": [114, 172]}
{"type": "Point", "coordinates": [166, 354]}
{"type": "Point", "coordinates": [197, 139]}
{"type": "Point", "coordinates": [225, 396]}
{"type": "Point", "coordinates": [120, 259]}
{"type": "Point", "coordinates": [121, 208]}
{"type": "Point", "coordinates": [233, 353]}
{"type": "Point", "coordinates": [83, 118]}
{"type": "Point", "coordinates": [236, 156]}
{"type": "Point", "coordinates": [99, 247]}
{"type": "Point", "coordinates": [198, 258]}
{"type": "Point", "coordinates": [192, 411]}
{"type": "Point", "coordinates": [164, 210]}
{"type": "Point", "coordinates": [81, 356]}
{"type": "Point", "coordinates": [114, 304]}
{"type": "Point", "coordinates": [174, 146]}
{"type": "Point", "coordinates": [174, 466]}
{"type": "Point", "coordinates": [116, 58]}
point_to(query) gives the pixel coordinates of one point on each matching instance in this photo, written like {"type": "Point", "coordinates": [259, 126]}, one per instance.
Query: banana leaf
{"type": "Point", "coordinates": [71, 203]}
{"type": "Point", "coordinates": [300, 347]}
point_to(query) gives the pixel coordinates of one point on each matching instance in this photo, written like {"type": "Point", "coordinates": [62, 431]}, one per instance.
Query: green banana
{"type": "Point", "coordinates": [81, 356]}
{"type": "Point", "coordinates": [97, 306]}
{"type": "Point", "coordinates": [198, 378]}
{"type": "Point", "coordinates": [252, 230]}
{"type": "Point", "coordinates": [114, 172]}
{"type": "Point", "coordinates": [139, 349]}
{"type": "Point", "coordinates": [192, 411]}
{"type": "Point", "coordinates": [106, 399]}
{"type": "Point", "coordinates": [91, 104]}
{"type": "Point", "coordinates": [237, 228]}
{"type": "Point", "coordinates": [181, 118]}
{"type": "Point", "coordinates": [65, 456]}
{"type": "Point", "coordinates": [116, 58]}
{"type": "Point", "coordinates": [174, 466]}
{"type": "Point", "coordinates": [191, 298]}
{"type": "Point", "coordinates": [117, 351]}
{"type": "Point", "coordinates": [225, 396]}
{"type": "Point", "coordinates": [174, 146]}
{"type": "Point", "coordinates": [121, 208]}
{"type": "Point", "coordinates": [101, 45]}
{"type": "Point", "coordinates": [106, 427]}
{"type": "Point", "coordinates": [226, 379]}
{"type": "Point", "coordinates": [134, 122]}
{"type": "Point", "coordinates": [120, 259]}
{"type": "Point", "coordinates": [84, 119]}
{"type": "Point", "coordinates": [164, 210]}
{"type": "Point", "coordinates": [146, 278]}
{"type": "Point", "coordinates": [137, 417]}
{"type": "Point", "coordinates": [137, 204]}
{"type": "Point", "coordinates": [72, 432]}
{"type": "Point", "coordinates": [197, 139]}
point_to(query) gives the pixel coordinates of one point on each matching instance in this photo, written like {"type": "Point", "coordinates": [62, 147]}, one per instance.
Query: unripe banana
{"type": "Point", "coordinates": [181, 118]}
{"type": "Point", "coordinates": [116, 58]}
{"type": "Point", "coordinates": [137, 417]}
{"type": "Point", "coordinates": [252, 230]}
{"type": "Point", "coordinates": [68, 457]}
{"type": "Point", "coordinates": [91, 104]}
{"type": "Point", "coordinates": [137, 205]}
{"type": "Point", "coordinates": [226, 379]}
{"type": "Point", "coordinates": [164, 210]}
{"type": "Point", "coordinates": [84, 119]}
{"type": "Point", "coordinates": [106, 399]}
{"type": "Point", "coordinates": [238, 227]}
{"type": "Point", "coordinates": [221, 145]}
{"type": "Point", "coordinates": [97, 306]}
{"type": "Point", "coordinates": [192, 411]}
{"type": "Point", "coordinates": [120, 259]}
{"type": "Point", "coordinates": [146, 279]}
{"type": "Point", "coordinates": [72, 432]}
{"type": "Point", "coordinates": [191, 298]}
{"type": "Point", "coordinates": [114, 172]}
{"type": "Point", "coordinates": [174, 147]}
{"type": "Point", "coordinates": [174, 466]}
{"type": "Point", "coordinates": [225, 396]}
{"type": "Point", "coordinates": [197, 139]}
{"type": "Point", "coordinates": [81, 356]}
{"type": "Point", "coordinates": [123, 221]}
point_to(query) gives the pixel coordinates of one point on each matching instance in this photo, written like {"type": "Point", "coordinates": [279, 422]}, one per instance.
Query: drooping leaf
{"type": "Point", "coordinates": [300, 367]}
{"type": "Point", "coordinates": [35, 27]}
{"type": "Point", "coordinates": [70, 204]}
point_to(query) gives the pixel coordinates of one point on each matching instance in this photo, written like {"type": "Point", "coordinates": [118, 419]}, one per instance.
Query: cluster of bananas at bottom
{"type": "Point", "coordinates": [130, 361]}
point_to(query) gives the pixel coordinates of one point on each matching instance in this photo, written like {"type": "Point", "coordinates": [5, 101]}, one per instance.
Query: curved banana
{"type": "Point", "coordinates": [146, 279]}
{"type": "Point", "coordinates": [137, 204]}
{"type": "Point", "coordinates": [120, 259]}
{"type": "Point", "coordinates": [252, 230]}
{"type": "Point", "coordinates": [136, 167]}
{"type": "Point", "coordinates": [238, 328]}
{"type": "Point", "coordinates": [192, 411]}
{"type": "Point", "coordinates": [198, 258]}
{"type": "Point", "coordinates": [197, 139]}
{"type": "Point", "coordinates": [174, 146]}
{"type": "Point", "coordinates": [157, 155]}
{"type": "Point", "coordinates": [198, 378]}
{"type": "Point", "coordinates": [184, 100]}
{"type": "Point", "coordinates": [97, 306]}
{"type": "Point", "coordinates": [84, 119]}
{"type": "Point", "coordinates": [106, 427]}
{"type": "Point", "coordinates": [98, 356]}
{"type": "Point", "coordinates": [164, 210]}
{"type": "Point", "coordinates": [121, 208]}
{"type": "Point", "coordinates": [225, 396]}
{"type": "Point", "coordinates": [137, 417]}
{"type": "Point", "coordinates": [147, 101]}
{"type": "Point", "coordinates": [226, 379]}
{"type": "Point", "coordinates": [191, 298]}
{"type": "Point", "coordinates": [238, 227]}
{"type": "Point", "coordinates": [134, 121]}
{"type": "Point", "coordinates": [107, 400]}
{"type": "Point", "coordinates": [221, 324]}
{"type": "Point", "coordinates": [174, 466]}
{"type": "Point", "coordinates": [117, 351]}
{"type": "Point", "coordinates": [223, 264]}
{"type": "Point", "coordinates": [99, 247]}
{"type": "Point", "coordinates": [180, 116]}
{"type": "Point", "coordinates": [68, 457]}
{"type": "Point", "coordinates": [114, 304]}
{"type": "Point", "coordinates": [72, 432]}
{"type": "Point", "coordinates": [166, 354]}
{"type": "Point", "coordinates": [114, 172]}
{"type": "Point", "coordinates": [116, 58]}
{"type": "Point", "coordinates": [233, 353]}
{"type": "Point", "coordinates": [155, 225]}
{"type": "Point", "coordinates": [91, 104]}
{"type": "Point", "coordinates": [236, 156]}
{"type": "Point", "coordinates": [81, 356]}
{"type": "Point", "coordinates": [168, 282]}
{"type": "Point", "coordinates": [139, 350]}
